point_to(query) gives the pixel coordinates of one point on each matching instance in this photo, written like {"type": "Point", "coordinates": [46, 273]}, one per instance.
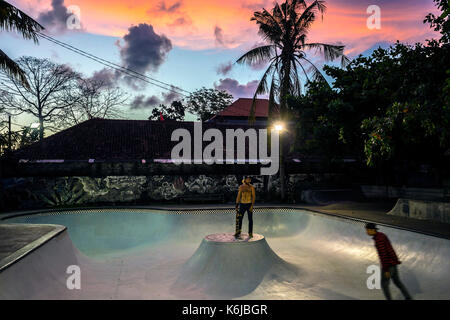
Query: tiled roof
{"type": "Point", "coordinates": [241, 108]}
{"type": "Point", "coordinates": [112, 139]}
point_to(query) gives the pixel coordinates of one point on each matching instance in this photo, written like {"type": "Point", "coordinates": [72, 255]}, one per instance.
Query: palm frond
{"type": "Point", "coordinates": [269, 27]}
{"type": "Point", "coordinates": [345, 61]}
{"type": "Point", "coordinates": [272, 105]}
{"type": "Point", "coordinates": [330, 52]}
{"type": "Point", "coordinates": [297, 60]}
{"type": "Point", "coordinates": [261, 89]}
{"type": "Point", "coordinates": [295, 79]}
{"type": "Point", "coordinates": [308, 16]}
{"type": "Point", "coordinates": [13, 19]}
{"type": "Point", "coordinates": [12, 69]}
{"type": "Point", "coordinates": [317, 75]}
{"type": "Point", "coordinates": [257, 55]}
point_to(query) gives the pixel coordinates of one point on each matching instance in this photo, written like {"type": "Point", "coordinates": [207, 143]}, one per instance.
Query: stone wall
{"type": "Point", "coordinates": [39, 192]}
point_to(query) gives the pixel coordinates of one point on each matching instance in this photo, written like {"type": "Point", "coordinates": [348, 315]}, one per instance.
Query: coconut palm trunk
{"type": "Point", "coordinates": [284, 31]}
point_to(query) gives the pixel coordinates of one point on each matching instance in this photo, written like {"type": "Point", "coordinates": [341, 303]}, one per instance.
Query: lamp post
{"type": "Point", "coordinates": [280, 127]}
{"type": "Point", "coordinates": [9, 133]}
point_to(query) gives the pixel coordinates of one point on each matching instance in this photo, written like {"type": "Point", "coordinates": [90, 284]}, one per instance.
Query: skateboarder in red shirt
{"type": "Point", "coordinates": [389, 261]}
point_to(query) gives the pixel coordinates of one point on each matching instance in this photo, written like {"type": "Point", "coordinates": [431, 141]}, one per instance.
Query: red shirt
{"type": "Point", "coordinates": [386, 253]}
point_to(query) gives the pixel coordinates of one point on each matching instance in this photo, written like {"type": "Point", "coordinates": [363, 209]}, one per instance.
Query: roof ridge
{"type": "Point", "coordinates": [57, 134]}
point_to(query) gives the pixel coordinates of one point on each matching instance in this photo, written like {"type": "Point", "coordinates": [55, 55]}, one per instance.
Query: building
{"type": "Point", "coordinates": [239, 111]}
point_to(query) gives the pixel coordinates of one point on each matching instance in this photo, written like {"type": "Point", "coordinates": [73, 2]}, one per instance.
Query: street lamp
{"type": "Point", "coordinates": [280, 127]}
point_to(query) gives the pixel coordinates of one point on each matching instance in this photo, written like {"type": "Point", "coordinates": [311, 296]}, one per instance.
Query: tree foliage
{"type": "Point", "coordinates": [389, 106]}
{"type": "Point", "coordinates": [205, 103]}
{"type": "Point", "coordinates": [174, 112]}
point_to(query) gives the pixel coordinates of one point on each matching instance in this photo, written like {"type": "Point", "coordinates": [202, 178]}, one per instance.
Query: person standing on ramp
{"type": "Point", "coordinates": [389, 261]}
{"type": "Point", "coordinates": [244, 202]}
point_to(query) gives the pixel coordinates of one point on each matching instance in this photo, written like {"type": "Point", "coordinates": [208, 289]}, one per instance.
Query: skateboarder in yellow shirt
{"type": "Point", "coordinates": [244, 202]}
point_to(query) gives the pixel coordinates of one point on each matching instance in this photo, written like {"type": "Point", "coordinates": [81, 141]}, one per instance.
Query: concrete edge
{"type": "Point", "coordinates": [30, 247]}
{"type": "Point", "coordinates": [10, 215]}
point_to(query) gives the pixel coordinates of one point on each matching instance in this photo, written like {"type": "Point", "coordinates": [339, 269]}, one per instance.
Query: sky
{"type": "Point", "coordinates": [194, 43]}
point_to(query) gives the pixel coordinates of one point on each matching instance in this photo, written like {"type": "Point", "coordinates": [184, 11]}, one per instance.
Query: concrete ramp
{"type": "Point", "coordinates": [224, 267]}
{"type": "Point", "coordinates": [297, 254]}
{"type": "Point", "coordinates": [41, 274]}
{"type": "Point", "coordinates": [422, 210]}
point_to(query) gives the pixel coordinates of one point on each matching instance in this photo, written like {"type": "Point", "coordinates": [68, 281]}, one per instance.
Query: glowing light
{"type": "Point", "coordinates": [278, 126]}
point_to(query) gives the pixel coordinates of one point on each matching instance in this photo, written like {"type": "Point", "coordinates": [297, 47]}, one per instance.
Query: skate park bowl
{"type": "Point", "coordinates": [191, 254]}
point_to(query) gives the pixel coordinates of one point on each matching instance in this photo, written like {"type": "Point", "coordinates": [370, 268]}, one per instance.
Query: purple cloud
{"type": "Point", "coordinates": [142, 102]}
{"type": "Point", "coordinates": [162, 7]}
{"type": "Point", "coordinates": [144, 50]}
{"type": "Point", "coordinates": [224, 68]}
{"type": "Point", "coordinates": [236, 89]}
{"type": "Point", "coordinates": [106, 76]}
{"type": "Point", "coordinates": [55, 20]}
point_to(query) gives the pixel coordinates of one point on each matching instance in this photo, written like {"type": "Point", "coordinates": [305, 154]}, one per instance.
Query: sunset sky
{"type": "Point", "coordinates": [193, 43]}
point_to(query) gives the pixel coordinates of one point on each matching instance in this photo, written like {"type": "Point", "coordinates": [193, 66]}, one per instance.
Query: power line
{"type": "Point", "coordinates": [132, 73]}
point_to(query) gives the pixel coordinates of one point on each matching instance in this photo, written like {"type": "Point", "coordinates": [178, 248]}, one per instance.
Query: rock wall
{"type": "Point", "coordinates": [39, 192]}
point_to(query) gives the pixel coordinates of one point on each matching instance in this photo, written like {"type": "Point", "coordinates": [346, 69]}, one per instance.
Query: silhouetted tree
{"type": "Point", "coordinates": [205, 103]}
{"type": "Point", "coordinates": [441, 23]}
{"type": "Point", "coordinates": [51, 89]}
{"type": "Point", "coordinates": [173, 112]}
{"type": "Point", "coordinates": [285, 29]}
{"type": "Point", "coordinates": [96, 99]}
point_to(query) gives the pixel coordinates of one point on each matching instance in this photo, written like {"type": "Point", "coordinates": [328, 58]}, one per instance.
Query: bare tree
{"type": "Point", "coordinates": [97, 100]}
{"type": "Point", "coordinates": [52, 88]}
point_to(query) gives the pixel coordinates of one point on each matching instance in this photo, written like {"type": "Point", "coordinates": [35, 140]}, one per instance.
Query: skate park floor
{"type": "Point", "coordinates": [141, 255]}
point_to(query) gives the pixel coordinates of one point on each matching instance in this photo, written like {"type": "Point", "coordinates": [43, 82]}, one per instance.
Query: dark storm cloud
{"type": "Point", "coordinates": [142, 102]}
{"type": "Point", "coordinates": [143, 51]}
{"type": "Point", "coordinates": [233, 87]}
{"type": "Point", "coordinates": [224, 68]}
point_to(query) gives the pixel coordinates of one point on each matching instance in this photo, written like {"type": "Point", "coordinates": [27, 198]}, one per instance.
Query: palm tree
{"type": "Point", "coordinates": [13, 19]}
{"type": "Point", "coordinates": [285, 29]}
